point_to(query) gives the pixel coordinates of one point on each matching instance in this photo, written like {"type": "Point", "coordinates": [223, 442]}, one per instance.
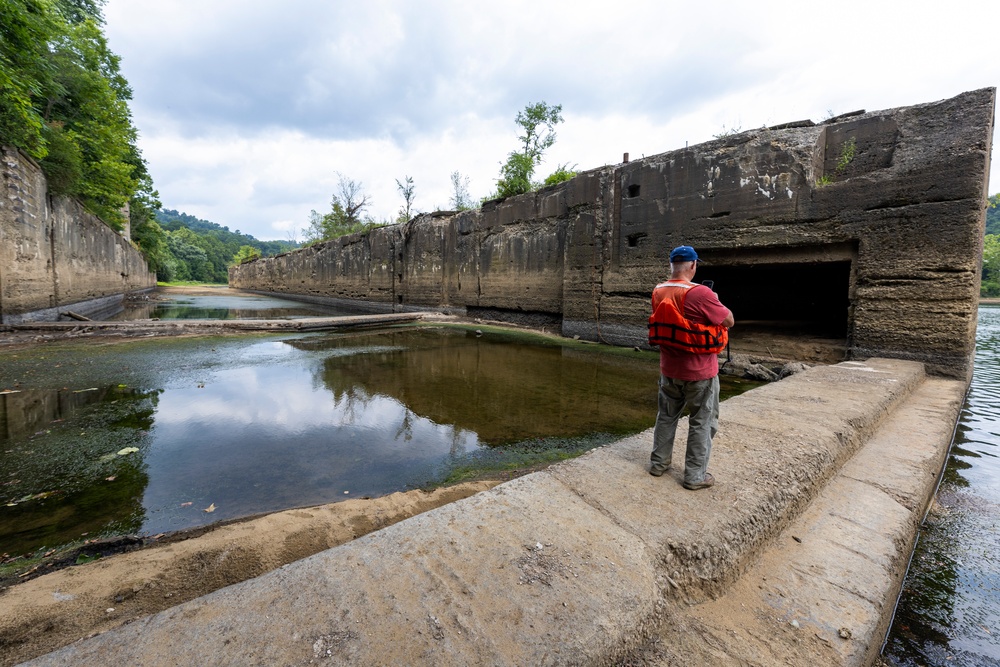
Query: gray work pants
{"type": "Point", "coordinates": [702, 397]}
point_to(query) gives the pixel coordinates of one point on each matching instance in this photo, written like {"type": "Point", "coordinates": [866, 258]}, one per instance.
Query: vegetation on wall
{"type": "Point", "coordinates": [348, 212]}
{"type": "Point", "coordinates": [563, 172]}
{"type": "Point", "coordinates": [407, 189]}
{"type": "Point", "coordinates": [460, 199]}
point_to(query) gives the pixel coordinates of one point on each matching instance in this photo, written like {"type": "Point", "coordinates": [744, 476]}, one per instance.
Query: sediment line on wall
{"type": "Point", "coordinates": [53, 253]}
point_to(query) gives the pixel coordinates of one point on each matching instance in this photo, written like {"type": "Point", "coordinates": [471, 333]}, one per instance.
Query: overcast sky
{"type": "Point", "coordinates": [247, 109]}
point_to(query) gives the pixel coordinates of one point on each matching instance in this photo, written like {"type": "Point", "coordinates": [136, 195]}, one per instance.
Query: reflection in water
{"type": "Point", "coordinates": [949, 611]}
{"type": "Point", "coordinates": [249, 425]}
{"type": "Point", "coordinates": [66, 480]}
{"type": "Point", "coordinates": [25, 412]}
{"type": "Point", "coordinates": [503, 391]}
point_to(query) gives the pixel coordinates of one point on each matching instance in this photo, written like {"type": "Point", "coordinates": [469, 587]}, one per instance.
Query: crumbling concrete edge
{"type": "Point", "coordinates": [355, 305]}
{"type": "Point", "coordinates": [97, 306]}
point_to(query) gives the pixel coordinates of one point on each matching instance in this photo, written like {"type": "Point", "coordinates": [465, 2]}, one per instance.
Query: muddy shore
{"type": "Point", "coordinates": [45, 613]}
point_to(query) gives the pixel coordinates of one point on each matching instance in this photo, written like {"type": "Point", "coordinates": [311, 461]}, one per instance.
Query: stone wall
{"type": "Point", "coordinates": [865, 230]}
{"type": "Point", "coordinates": [54, 255]}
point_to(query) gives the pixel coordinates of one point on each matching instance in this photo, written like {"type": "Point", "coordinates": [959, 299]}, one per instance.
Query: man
{"type": "Point", "coordinates": [691, 326]}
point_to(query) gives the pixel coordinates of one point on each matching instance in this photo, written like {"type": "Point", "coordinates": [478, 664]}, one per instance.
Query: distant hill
{"type": "Point", "coordinates": [200, 250]}
{"type": "Point", "coordinates": [173, 220]}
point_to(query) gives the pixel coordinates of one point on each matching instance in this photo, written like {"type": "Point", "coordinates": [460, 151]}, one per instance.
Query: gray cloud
{"type": "Point", "coordinates": [349, 71]}
{"type": "Point", "coordinates": [247, 108]}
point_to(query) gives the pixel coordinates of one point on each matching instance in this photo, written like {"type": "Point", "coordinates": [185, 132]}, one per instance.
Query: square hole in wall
{"type": "Point", "coordinates": [633, 239]}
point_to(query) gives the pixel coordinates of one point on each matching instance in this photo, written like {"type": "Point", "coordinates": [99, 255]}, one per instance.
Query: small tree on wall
{"type": "Point", "coordinates": [246, 253]}
{"type": "Point", "coordinates": [347, 206]}
{"type": "Point", "coordinates": [460, 199]}
{"type": "Point", "coordinates": [406, 188]}
{"type": "Point", "coordinates": [538, 122]}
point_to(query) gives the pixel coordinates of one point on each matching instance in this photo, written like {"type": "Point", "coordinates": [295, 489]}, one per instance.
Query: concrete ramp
{"type": "Point", "coordinates": [824, 591]}
{"type": "Point", "coordinates": [594, 560]}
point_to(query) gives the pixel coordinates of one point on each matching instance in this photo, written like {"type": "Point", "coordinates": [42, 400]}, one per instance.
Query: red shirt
{"type": "Point", "coordinates": [703, 306]}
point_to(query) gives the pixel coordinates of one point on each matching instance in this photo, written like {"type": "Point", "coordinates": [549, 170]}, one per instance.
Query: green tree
{"type": "Point", "coordinates": [219, 255]}
{"type": "Point", "coordinates": [991, 266]}
{"type": "Point", "coordinates": [91, 100]}
{"type": "Point", "coordinates": [151, 240]}
{"type": "Point", "coordinates": [26, 29]}
{"type": "Point", "coordinates": [347, 207]}
{"type": "Point", "coordinates": [192, 261]}
{"type": "Point", "coordinates": [64, 101]}
{"type": "Point", "coordinates": [246, 253]}
{"type": "Point", "coordinates": [76, 11]}
{"type": "Point", "coordinates": [406, 188]}
{"type": "Point", "coordinates": [147, 235]}
{"type": "Point", "coordinates": [460, 199]}
{"type": "Point", "coordinates": [537, 121]}
{"type": "Point", "coordinates": [563, 172]}
{"type": "Point", "coordinates": [993, 215]}
{"type": "Point", "coordinates": [515, 175]}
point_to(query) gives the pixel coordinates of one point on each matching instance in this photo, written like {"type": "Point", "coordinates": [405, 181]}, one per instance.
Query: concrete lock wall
{"type": "Point", "coordinates": [865, 230]}
{"type": "Point", "coordinates": [54, 255]}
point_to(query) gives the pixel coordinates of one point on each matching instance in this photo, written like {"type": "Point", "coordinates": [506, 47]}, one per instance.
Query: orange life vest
{"type": "Point", "coordinates": [668, 325]}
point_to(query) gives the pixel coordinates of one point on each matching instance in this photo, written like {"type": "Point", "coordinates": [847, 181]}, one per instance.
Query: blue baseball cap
{"type": "Point", "coordinates": [683, 253]}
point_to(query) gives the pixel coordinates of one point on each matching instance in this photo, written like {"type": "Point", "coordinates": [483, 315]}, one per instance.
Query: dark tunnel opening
{"type": "Point", "coordinates": [795, 299]}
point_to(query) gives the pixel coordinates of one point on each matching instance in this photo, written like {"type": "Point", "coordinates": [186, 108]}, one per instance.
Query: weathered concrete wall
{"type": "Point", "coordinates": [54, 255]}
{"type": "Point", "coordinates": [866, 229]}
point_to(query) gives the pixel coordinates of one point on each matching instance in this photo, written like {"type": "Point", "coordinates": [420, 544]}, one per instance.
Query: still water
{"type": "Point", "coordinates": [153, 436]}
{"type": "Point", "coordinates": [221, 303]}
{"type": "Point", "coordinates": [949, 611]}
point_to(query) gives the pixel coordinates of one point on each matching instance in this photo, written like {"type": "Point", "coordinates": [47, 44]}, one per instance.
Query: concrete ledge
{"type": "Point", "coordinates": [182, 326]}
{"type": "Point", "coordinates": [362, 305]}
{"type": "Point", "coordinates": [100, 305]}
{"type": "Point", "coordinates": [776, 447]}
{"type": "Point", "coordinates": [576, 565]}
{"type": "Point", "coordinates": [824, 592]}
{"type": "Point", "coordinates": [466, 584]}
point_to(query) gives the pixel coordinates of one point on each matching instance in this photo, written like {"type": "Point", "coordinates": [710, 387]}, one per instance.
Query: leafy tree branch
{"type": "Point", "coordinates": [537, 122]}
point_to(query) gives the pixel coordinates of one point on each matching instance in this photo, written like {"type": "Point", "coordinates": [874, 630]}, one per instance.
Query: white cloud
{"type": "Point", "coordinates": [247, 110]}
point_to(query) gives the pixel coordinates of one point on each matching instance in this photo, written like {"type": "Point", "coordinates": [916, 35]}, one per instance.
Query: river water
{"type": "Point", "coordinates": [949, 610]}
{"type": "Point", "coordinates": [221, 303]}
{"type": "Point", "coordinates": [157, 435]}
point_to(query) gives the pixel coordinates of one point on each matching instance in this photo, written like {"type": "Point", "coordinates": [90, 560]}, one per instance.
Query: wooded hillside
{"type": "Point", "coordinates": [196, 249]}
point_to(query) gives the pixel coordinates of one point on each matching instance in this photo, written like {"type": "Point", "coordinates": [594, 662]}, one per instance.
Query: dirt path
{"type": "Point", "coordinates": [43, 614]}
